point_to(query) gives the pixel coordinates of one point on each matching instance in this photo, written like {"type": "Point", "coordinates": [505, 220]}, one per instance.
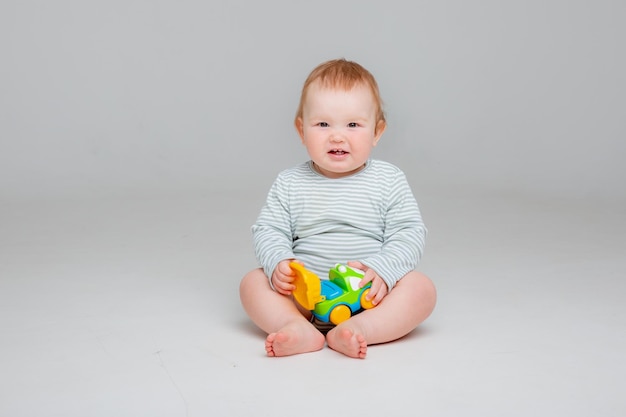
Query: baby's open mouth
{"type": "Point", "coordinates": [338, 152]}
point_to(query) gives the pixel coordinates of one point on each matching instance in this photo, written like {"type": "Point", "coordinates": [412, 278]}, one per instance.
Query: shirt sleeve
{"type": "Point", "coordinates": [272, 234]}
{"type": "Point", "coordinates": [404, 236]}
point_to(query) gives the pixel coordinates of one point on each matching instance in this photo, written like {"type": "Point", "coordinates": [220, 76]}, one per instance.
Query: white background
{"type": "Point", "coordinates": [100, 98]}
{"type": "Point", "coordinates": [138, 140]}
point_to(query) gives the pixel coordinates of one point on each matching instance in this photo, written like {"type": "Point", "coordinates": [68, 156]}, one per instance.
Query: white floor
{"type": "Point", "coordinates": [130, 308]}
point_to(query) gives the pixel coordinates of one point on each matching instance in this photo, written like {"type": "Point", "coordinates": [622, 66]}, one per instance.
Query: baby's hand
{"type": "Point", "coordinates": [378, 290]}
{"type": "Point", "coordinates": [283, 277]}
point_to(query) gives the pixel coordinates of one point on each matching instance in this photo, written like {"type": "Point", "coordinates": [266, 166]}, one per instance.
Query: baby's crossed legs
{"type": "Point", "coordinates": [290, 332]}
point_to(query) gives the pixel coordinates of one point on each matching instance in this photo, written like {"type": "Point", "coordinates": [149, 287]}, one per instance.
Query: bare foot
{"type": "Point", "coordinates": [294, 338]}
{"type": "Point", "coordinates": [347, 341]}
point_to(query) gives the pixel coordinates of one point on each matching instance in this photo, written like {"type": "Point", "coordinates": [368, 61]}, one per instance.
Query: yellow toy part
{"type": "Point", "coordinates": [340, 313]}
{"type": "Point", "coordinates": [308, 290]}
{"type": "Point", "coordinates": [365, 303]}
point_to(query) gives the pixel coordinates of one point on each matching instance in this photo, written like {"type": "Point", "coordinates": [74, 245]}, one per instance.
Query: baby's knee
{"type": "Point", "coordinates": [428, 291]}
{"type": "Point", "coordinates": [421, 286]}
{"type": "Point", "coordinates": [252, 280]}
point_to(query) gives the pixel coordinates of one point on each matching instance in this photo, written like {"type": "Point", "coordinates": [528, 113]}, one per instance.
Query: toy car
{"type": "Point", "coordinates": [334, 300]}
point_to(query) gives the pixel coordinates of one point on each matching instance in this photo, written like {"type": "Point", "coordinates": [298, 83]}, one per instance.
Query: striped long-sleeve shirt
{"type": "Point", "coordinates": [371, 217]}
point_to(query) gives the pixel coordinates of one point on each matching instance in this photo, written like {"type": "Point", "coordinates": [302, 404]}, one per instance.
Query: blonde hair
{"type": "Point", "coordinates": [339, 73]}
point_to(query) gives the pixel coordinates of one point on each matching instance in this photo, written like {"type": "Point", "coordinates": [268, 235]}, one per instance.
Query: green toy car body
{"type": "Point", "coordinates": [342, 297]}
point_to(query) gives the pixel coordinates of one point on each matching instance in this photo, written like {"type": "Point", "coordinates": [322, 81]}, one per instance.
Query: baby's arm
{"type": "Point", "coordinates": [273, 238]}
{"type": "Point", "coordinates": [404, 237]}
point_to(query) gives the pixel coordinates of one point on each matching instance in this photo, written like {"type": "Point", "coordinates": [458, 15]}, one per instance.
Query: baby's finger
{"type": "Point", "coordinates": [380, 294]}
{"type": "Point", "coordinates": [368, 277]}
{"type": "Point", "coordinates": [285, 269]}
{"type": "Point", "coordinates": [357, 265]}
{"type": "Point", "coordinates": [371, 294]}
{"type": "Point", "coordinates": [283, 287]}
{"type": "Point", "coordinates": [378, 291]}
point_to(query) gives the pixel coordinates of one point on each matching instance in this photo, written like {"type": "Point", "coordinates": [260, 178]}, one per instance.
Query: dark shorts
{"type": "Point", "coordinates": [323, 327]}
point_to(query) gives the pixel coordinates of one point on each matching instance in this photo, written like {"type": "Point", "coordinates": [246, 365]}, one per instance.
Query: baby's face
{"type": "Point", "coordinates": [338, 128]}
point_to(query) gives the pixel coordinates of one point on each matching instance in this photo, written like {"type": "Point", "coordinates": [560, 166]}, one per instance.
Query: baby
{"type": "Point", "coordinates": [339, 207]}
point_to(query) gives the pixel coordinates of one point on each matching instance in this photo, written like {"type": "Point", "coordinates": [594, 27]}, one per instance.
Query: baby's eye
{"type": "Point", "coordinates": [322, 124]}
{"type": "Point", "coordinates": [353, 124]}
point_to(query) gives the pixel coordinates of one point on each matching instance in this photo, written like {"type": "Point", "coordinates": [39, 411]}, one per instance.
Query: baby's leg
{"type": "Point", "coordinates": [409, 303]}
{"type": "Point", "coordinates": [289, 332]}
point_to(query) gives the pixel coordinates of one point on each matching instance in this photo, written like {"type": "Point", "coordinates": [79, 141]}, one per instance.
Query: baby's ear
{"type": "Point", "coordinates": [299, 127]}
{"type": "Point", "coordinates": [380, 129]}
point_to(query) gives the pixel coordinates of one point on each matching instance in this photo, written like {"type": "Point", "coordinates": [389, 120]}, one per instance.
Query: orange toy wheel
{"type": "Point", "coordinates": [365, 303]}
{"type": "Point", "coordinates": [340, 314]}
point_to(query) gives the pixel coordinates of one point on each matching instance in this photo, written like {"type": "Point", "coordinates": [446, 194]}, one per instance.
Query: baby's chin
{"type": "Point", "coordinates": [333, 172]}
